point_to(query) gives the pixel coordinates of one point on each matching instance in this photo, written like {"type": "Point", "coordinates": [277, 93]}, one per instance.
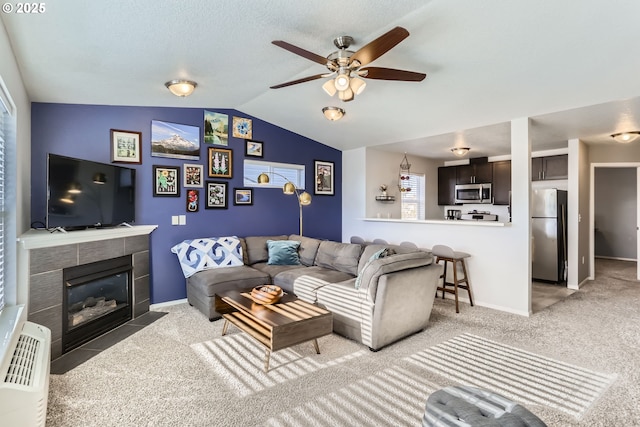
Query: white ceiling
{"type": "Point", "coordinates": [487, 62]}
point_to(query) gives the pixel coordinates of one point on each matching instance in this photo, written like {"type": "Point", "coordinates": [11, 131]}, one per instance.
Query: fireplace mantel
{"type": "Point", "coordinates": [43, 256]}
{"type": "Point", "coordinates": [42, 238]}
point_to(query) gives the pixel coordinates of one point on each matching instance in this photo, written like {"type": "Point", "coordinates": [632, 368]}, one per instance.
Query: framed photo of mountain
{"type": "Point", "coordinates": [175, 141]}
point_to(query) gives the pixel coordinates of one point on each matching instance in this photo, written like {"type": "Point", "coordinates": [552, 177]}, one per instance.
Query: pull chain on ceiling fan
{"type": "Point", "coordinates": [345, 66]}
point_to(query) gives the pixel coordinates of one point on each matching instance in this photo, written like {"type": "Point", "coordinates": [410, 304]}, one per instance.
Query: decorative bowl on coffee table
{"type": "Point", "coordinates": [266, 294]}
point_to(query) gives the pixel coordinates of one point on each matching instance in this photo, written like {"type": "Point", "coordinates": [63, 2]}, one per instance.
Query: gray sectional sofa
{"type": "Point", "coordinates": [373, 301]}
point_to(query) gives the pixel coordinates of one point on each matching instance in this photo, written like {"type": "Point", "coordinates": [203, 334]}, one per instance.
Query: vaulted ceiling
{"type": "Point", "coordinates": [571, 66]}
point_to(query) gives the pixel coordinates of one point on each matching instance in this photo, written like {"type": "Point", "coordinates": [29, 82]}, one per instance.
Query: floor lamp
{"type": "Point", "coordinates": [289, 188]}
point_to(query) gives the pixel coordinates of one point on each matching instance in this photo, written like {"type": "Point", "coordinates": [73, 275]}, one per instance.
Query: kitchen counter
{"type": "Point", "coordinates": [440, 221]}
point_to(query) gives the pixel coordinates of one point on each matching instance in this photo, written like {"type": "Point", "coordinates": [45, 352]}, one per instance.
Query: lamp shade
{"type": "Point", "coordinates": [346, 95]}
{"type": "Point", "coordinates": [305, 198]}
{"type": "Point", "coordinates": [333, 113]}
{"type": "Point", "coordinates": [357, 85]}
{"type": "Point", "coordinates": [288, 188]}
{"type": "Point", "coordinates": [263, 178]}
{"type": "Point", "coordinates": [329, 87]}
{"type": "Point", "coordinates": [181, 87]}
{"type": "Point", "coordinates": [626, 137]}
{"type": "Point", "coordinates": [460, 151]}
{"type": "Point", "coordinates": [342, 82]}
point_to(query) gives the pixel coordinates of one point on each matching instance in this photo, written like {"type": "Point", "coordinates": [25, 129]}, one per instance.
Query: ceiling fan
{"type": "Point", "coordinates": [345, 66]}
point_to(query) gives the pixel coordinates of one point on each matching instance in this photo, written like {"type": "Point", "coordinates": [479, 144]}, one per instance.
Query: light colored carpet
{"type": "Point", "coordinates": [179, 371]}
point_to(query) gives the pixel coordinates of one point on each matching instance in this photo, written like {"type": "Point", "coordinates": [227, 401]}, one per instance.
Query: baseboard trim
{"type": "Point", "coordinates": [167, 304]}
{"type": "Point", "coordinates": [616, 258]}
{"type": "Point", "coordinates": [491, 306]}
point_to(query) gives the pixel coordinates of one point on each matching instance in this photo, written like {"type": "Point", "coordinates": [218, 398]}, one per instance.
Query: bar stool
{"type": "Point", "coordinates": [448, 255]}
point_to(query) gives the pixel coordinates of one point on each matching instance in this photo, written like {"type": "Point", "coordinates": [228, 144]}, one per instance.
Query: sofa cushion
{"type": "Point", "coordinates": [273, 270]}
{"type": "Point", "coordinates": [308, 248]}
{"type": "Point", "coordinates": [339, 256]}
{"type": "Point", "coordinates": [243, 277]}
{"type": "Point", "coordinates": [287, 278]}
{"type": "Point", "coordinates": [384, 252]}
{"type": "Point", "coordinates": [390, 264]}
{"type": "Point", "coordinates": [257, 250]}
{"type": "Point", "coordinates": [369, 250]}
{"type": "Point", "coordinates": [205, 253]}
{"type": "Point", "coordinates": [283, 252]}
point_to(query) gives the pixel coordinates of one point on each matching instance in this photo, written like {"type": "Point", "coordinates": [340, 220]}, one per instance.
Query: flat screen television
{"type": "Point", "coordinates": [83, 194]}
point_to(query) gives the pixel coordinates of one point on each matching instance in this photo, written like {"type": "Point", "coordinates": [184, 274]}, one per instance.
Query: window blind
{"type": "Point", "coordinates": [289, 172]}
{"type": "Point", "coordinates": [412, 202]}
{"type": "Point", "coordinates": [2, 204]}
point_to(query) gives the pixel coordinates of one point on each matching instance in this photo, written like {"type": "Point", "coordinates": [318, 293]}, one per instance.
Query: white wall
{"type": "Point", "coordinates": [383, 167]}
{"type": "Point", "coordinates": [18, 160]}
{"type": "Point", "coordinates": [499, 267]}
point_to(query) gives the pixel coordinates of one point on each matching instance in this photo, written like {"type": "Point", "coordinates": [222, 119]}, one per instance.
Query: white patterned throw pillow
{"type": "Point", "coordinates": [212, 252]}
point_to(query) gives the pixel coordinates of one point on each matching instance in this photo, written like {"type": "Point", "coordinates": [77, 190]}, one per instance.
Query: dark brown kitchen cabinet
{"type": "Point", "coordinates": [479, 173]}
{"type": "Point", "coordinates": [446, 185]}
{"type": "Point", "coordinates": [501, 182]}
{"type": "Point", "coordinates": [550, 167]}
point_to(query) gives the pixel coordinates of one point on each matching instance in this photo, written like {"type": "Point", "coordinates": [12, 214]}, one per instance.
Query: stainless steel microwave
{"type": "Point", "coordinates": [473, 193]}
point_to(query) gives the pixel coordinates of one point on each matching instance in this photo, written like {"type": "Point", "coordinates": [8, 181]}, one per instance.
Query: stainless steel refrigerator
{"type": "Point", "coordinates": [549, 235]}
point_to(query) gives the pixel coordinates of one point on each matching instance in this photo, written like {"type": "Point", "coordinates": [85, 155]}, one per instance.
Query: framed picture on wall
{"type": "Point", "coordinates": [193, 175]}
{"type": "Point", "coordinates": [193, 200]}
{"type": "Point", "coordinates": [174, 140]}
{"type": "Point", "coordinates": [242, 128]}
{"type": "Point", "coordinates": [125, 146]}
{"type": "Point", "coordinates": [220, 162]}
{"type": "Point", "coordinates": [242, 196]}
{"type": "Point", "coordinates": [216, 195]}
{"type": "Point", "coordinates": [166, 181]}
{"type": "Point", "coordinates": [253, 148]}
{"type": "Point", "coordinates": [324, 181]}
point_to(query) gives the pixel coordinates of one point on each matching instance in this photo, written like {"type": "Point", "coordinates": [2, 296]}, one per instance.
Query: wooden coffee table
{"type": "Point", "coordinates": [288, 322]}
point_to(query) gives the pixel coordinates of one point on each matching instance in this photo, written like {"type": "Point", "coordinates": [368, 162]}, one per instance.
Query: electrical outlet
{"type": "Point", "coordinates": [580, 220]}
{"type": "Point", "coordinates": [175, 220]}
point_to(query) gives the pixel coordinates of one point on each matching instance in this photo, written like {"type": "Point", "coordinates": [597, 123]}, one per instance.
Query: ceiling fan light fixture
{"type": "Point", "coordinates": [357, 85]}
{"type": "Point", "coordinates": [181, 88]}
{"type": "Point", "coordinates": [333, 113]}
{"type": "Point", "coordinates": [626, 137]}
{"type": "Point", "coordinates": [342, 82]}
{"type": "Point", "coordinates": [345, 95]}
{"type": "Point", "coordinates": [460, 151]}
{"type": "Point", "coordinates": [329, 87]}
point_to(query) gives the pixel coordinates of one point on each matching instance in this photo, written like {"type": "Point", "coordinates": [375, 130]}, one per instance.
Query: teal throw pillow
{"type": "Point", "coordinates": [283, 252]}
{"type": "Point", "coordinates": [380, 254]}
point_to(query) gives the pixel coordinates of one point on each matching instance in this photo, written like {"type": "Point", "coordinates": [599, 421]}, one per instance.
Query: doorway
{"type": "Point", "coordinates": [614, 213]}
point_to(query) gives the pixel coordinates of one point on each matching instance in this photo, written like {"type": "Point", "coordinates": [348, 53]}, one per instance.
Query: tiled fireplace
{"type": "Point", "coordinates": [53, 264]}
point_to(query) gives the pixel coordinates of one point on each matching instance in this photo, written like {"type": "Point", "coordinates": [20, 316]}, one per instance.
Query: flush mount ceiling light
{"type": "Point", "coordinates": [181, 88]}
{"type": "Point", "coordinates": [333, 113]}
{"type": "Point", "coordinates": [626, 137]}
{"type": "Point", "coordinates": [460, 151]}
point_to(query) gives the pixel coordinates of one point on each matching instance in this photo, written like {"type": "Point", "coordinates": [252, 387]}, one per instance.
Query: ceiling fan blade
{"type": "Point", "coordinates": [379, 46]}
{"type": "Point", "coordinates": [381, 73]}
{"type": "Point", "coordinates": [302, 80]}
{"type": "Point", "coordinates": [301, 52]}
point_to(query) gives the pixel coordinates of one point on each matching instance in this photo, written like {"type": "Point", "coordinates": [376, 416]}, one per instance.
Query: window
{"type": "Point", "coordinates": [413, 201]}
{"type": "Point", "coordinates": [8, 294]}
{"type": "Point", "coordinates": [290, 172]}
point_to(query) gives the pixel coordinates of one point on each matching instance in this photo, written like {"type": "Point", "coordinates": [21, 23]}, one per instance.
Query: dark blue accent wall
{"type": "Point", "coordinates": [83, 131]}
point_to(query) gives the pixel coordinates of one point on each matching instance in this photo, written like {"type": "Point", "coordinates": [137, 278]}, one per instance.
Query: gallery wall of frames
{"type": "Point", "coordinates": [189, 161]}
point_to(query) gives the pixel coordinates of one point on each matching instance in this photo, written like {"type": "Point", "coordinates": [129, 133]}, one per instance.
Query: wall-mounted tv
{"type": "Point", "coordinates": [83, 194]}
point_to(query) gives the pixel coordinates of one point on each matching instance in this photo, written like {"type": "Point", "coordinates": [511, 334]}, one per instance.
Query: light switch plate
{"type": "Point", "coordinates": [183, 220]}
{"type": "Point", "coordinates": [175, 220]}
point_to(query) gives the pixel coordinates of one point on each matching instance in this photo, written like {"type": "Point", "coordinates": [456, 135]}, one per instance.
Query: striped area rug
{"type": "Point", "coordinates": [524, 377]}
